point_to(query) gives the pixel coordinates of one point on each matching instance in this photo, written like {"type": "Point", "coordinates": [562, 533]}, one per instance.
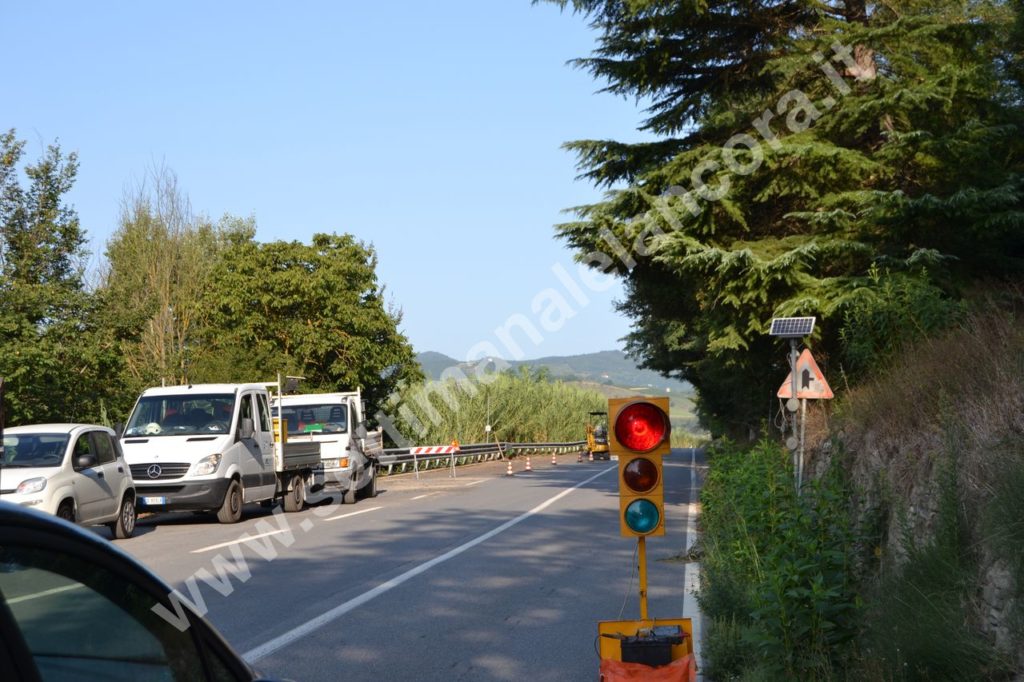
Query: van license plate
{"type": "Point", "coordinates": [153, 501]}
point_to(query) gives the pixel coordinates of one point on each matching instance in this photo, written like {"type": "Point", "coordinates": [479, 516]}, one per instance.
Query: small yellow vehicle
{"type": "Point", "coordinates": [597, 436]}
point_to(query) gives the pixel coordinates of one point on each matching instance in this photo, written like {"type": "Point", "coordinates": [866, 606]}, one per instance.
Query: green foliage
{"type": "Point", "coordinates": [52, 355]}
{"type": "Point", "coordinates": [910, 166]}
{"type": "Point", "coordinates": [313, 310]}
{"type": "Point", "coordinates": [158, 268]}
{"type": "Point", "coordinates": [895, 311]}
{"type": "Point", "coordinates": [777, 566]}
{"type": "Point", "coordinates": [727, 651]}
{"type": "Point", "coordinates": [522, 406]}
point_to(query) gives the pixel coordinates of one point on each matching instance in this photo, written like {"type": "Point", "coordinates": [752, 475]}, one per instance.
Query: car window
{"type": "Point", "coordinates": [264, 414]}
{"type": "Point", "coordinates": [245, 410]}
{"type": "Point", "coordinates": [80, 621]}
{"type": "Point", "coordinates": [324, 418]}
{"type": "Point", "coordinates": [34, 449]}
{"type": "Point", "coordinates": [82, 446]}
{"type": "Point", "coordinates": [104, 449]}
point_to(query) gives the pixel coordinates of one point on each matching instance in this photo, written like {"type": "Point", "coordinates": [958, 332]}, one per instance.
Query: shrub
{"type": "Point", "coordinates": [777, 565]}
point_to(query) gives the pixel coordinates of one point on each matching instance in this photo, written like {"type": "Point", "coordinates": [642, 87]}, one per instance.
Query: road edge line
{"type": "Point", "coordinates": [691, 573]}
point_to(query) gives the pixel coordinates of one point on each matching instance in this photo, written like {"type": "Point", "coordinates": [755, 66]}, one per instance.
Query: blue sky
{"type": "Point", "coordinates": [432, 130]}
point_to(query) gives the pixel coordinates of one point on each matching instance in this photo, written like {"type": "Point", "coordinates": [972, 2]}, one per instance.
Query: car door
{"type": "Point", "coordinates": [89, 483]}
{"type": "Point", "coordinates": [257, 458]}
{"type": "Point", "coordinates": [113, 474]}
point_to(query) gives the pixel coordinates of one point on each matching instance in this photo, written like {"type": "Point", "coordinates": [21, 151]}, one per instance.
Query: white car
{"type": "Point", "coordinates": [74, 471]}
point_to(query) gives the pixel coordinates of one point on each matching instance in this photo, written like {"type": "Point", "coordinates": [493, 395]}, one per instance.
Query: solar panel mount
{"type": "Point", "coordinates": [792, 327]}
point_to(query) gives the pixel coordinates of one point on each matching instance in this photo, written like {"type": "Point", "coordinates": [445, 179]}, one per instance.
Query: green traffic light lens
{"type": "Point", "coordinates": [642, 516]}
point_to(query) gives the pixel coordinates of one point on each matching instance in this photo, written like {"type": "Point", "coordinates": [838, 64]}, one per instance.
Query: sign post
{"type": "Point", "coordinates": [805, 382]}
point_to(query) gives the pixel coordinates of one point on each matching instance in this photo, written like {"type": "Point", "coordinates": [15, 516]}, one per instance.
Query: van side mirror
{"type": "Point", "coordinates": [85, 462]}
{"type": "Point", "coordinates": [246, 428]}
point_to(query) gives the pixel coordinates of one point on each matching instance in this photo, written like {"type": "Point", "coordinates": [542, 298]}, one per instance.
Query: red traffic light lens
{"type": "Point", "coordinates": [640, 474]}
{"type": "Point", "coordinates": [641, 427]}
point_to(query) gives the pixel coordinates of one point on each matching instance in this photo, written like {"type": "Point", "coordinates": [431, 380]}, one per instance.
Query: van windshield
{"type": "Point", "coordinates": [177, 415]}
{"type": "Point", "coordinates": [325, 418]}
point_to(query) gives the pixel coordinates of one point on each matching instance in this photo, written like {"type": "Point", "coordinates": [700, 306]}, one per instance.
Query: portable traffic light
{"type": "Point", "coordinates": [640, 437]}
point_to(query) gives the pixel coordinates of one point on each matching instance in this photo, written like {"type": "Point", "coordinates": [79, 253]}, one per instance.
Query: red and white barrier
{"type": "Point", "coordinates": [434, 450]}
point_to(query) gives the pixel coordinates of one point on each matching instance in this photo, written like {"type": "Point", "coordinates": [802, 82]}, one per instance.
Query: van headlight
{"type": "Point", "coordinates": [32, 485]}
{"type": "Point", "coordinates": [207, 465]}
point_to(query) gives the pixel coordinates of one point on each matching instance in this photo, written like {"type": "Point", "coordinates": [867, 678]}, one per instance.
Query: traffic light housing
{"type": "Point", "coordinates": [640, 436]}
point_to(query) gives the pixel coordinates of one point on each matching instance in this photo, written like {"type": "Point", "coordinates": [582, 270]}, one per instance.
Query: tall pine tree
{"type": "Point", "coordinates": [855, 161]}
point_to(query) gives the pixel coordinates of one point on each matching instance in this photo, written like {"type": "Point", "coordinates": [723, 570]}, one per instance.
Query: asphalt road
{"type": "Point", "coordinates": [484, 577]}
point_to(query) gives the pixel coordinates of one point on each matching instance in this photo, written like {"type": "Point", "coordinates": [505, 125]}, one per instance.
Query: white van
{"type": "Point", "coordinates": [74, 471]}
{"type": "Point", "coordinates": [212, 447]}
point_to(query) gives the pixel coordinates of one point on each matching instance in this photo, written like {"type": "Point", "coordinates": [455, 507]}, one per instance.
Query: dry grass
{"type": "Point", "coordinates": [955, 400]}
{"type": "Point", "coordinates": [961, 393]}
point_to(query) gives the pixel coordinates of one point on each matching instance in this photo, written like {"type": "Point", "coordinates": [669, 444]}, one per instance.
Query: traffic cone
{"type": "Point", "coordinates": [554, 462]}
{"type": "Point", "coordinates": [528, 467]}
{"type": "Point", "coordinates": [508, 471]}
{"type": "Point", "coordinates": [579, 456]}
{"type": "Point", "coordinates": [590, 457]}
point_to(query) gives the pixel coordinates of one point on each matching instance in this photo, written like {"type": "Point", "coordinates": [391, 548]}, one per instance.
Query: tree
{"type": "Point", "coordinates": [313, 310]}
{"type": "Point", "coordinates": [50, 354]}
{"type": "Point", "coordinates": [809, 157]}
{"type": "Point", "coordinates": [159, 263]}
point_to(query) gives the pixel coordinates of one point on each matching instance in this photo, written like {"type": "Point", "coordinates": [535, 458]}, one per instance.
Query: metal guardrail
{"type": "Point", "coordinates": [405, 460]}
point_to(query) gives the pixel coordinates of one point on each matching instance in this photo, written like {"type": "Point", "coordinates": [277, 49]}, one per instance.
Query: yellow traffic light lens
{"type": "Point", "coordinates": [641, 426]}
{"type": "Point", "coordinates": [640, 474]}
{"type": "Point", "coordinates": [642, 516]}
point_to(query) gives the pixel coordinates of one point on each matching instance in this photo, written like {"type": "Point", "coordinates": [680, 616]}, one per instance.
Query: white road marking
{"type": "Point", "coordinates": [691, 573]}
{"type": "Point", "coordinates": [420, 497]}
{"type": "Point", "coordinates": [239, 540]}
{"type": "Point", "coordinates": [476, 482]}
{"type": "Point", "coordinates": [355, 513]}
{"type": "Point", "coordinates": [264, 650]}
{"type": "Point", "coordinates": [45, 593]}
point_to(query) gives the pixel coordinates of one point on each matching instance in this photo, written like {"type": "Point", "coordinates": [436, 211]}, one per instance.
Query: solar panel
{"type": "Point", "coordinates": [792, 327]}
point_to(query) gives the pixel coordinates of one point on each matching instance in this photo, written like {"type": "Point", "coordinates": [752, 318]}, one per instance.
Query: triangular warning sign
{"type": "Point", "coordinates": [810, 382]}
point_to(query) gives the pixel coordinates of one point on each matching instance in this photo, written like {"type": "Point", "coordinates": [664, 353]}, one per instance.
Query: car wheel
{"type": "Point", "coordinates": [231, 509]}
{"type": "Point", "coordinates": [296, 497]}
{"type": "Point", "coordinates": [124, 526]}
{"type": "Point", "coordinates": [66, 511]}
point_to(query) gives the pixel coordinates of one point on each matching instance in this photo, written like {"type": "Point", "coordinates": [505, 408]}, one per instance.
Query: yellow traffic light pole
{"type": "Point", "coordinates": [639, 437]}
{"type": "Point", "coordinates": [641, 544]}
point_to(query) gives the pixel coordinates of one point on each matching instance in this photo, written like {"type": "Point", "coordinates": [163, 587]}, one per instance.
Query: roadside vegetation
{"type": "Point", "coordinates": [522, 406]}
{"type": "Point", "coordinates": [904, 557]}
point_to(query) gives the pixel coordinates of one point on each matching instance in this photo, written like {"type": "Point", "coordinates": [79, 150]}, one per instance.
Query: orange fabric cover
{"type": "Point", "coordinates": [680, 670]}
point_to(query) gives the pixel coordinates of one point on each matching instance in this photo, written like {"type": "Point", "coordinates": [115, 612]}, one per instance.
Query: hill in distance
{"type": "Point", "coordinates": [609, 367]}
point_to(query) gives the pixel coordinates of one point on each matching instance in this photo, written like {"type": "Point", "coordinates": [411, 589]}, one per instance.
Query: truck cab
{"type": "Point", "coordinates": [334, 421]}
